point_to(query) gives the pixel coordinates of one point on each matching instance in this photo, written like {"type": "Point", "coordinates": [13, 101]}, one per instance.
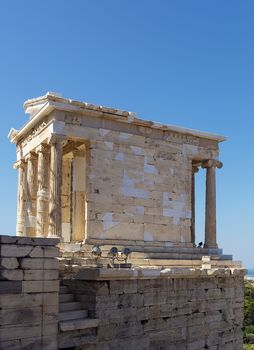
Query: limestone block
{"type": "Point", "coordinates": [10, 287]}
{"type": "Point", "coordinates": [131, 300]}
{"type": "Point", "coordinates": [50, 328]}
{"type": "Point", "coordinates": [49, 342]}
{"type": "Point", "coordinates": [107, 332]}
{"type": "Point", "coordinates": [8, 239]}
{"type": "Point", "coordinates": [115, 230]}
{"type": "Point", "coordinates": [39, 264]}
{"type": "Point", "coordinates": [50, 298]}
{"type": "Point", "coordinates": [11, 275]}
{"type": "Point", "coordinates": [155, 298]}
{"type": "Point", "coordinates": [156, 232]}
{"type": "Point", "coordinates": [12, 332]}
{"type": "Point", "coordinates": [132, 328]}
{"type": "Point", "coordinates": [44, 251]}
{"type": "Point", "coordinates": [50, 313]}
{"type": "Point", "coordinates": [21, 315]}
{"type": "Point", "coordinates": [141, 219]}
{"type": "Point", "coordinates": [10, 345]}
{"type": "Point", "coordinates": [125, 217]}
{"type": "Point", "coordinates": [130, 286]}
{"type": "Point", "coordinates": [46, 241]}
{"type": "Point", "coordinates": [9, 301]}
{"type": "Point", "coordinates": [9, 250]}
{"type": "Point", "coordinates": [40, 286]}
{"type": "Point", "coordinates": [31, 343]}
{"type": "Point", "coordinates": [107, 302]}
{"type": "Point", "coordinates": [122, 199]}
{"type": "Point", "coordinates": [37, 275]}
{"type": "Point", "coordinates": [9, 263]}
{"type": "Point", "coordinates": [196, 345]}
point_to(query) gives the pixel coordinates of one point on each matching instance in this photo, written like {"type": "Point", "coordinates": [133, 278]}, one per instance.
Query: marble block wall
{"type": "Point", "coordinates": [168, 313]}
{"type": "Point", "coordinates": [29, 286]}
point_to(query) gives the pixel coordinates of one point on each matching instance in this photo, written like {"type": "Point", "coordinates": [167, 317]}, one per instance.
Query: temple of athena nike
{"type": "Point", "coordinates": [106, 208]}
{"type": "Point", "coordinates": [94, 174]}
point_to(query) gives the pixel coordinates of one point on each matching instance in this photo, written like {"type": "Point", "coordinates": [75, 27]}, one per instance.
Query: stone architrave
{"type": "Point", "coordinates": [55, 184]}
{"type": "Point", "coordinates": [42, 192]}
{"type": "Point", "coordinates": [31, 178]}
{"type": "Point", "coordinates": [20, 227]}
{"type": "Point", "coordinates": [210, 214]}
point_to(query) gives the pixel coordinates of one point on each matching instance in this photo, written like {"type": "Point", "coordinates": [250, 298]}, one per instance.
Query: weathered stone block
{"type": "Point", "coordinates": [11, 250]}
{"type": "Point", "coordinates": [8, 301]}
{"type": "Point", "coordinates": [20, 315]}
{"type": "Point", "coordinates": [50, 328]}
{"type": "Point", "coordinates": [40, 286]}
{"type": "Point", "coordinates": [9, 263]}
{"type": "Point", "coordinates": [31, 343]}
{"type": "Point", "coordinates": [20, 331]}
{"type": "Point", "coordinates": [10, 287]}
{"type": "Point", "coordinates": [49, 342]}
{"type": "Point", "coordinates": [40, 275]}
{"type": "Point", "coordinates": [50, 298]}
{"type": "Point", "coordinates": [10, 345]}
{"type": "Point", "coordinates": [11, 275]}
{"type": "Point", "coordinates": [44, 251]}
{"type": "Point", "coordinates": [39, 263]}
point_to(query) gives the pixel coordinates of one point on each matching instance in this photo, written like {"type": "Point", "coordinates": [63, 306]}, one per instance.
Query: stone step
{"type": "Point", "coordinates": [72, 315]}
{"type": "Point", "coordinates": [64, 290]}
{"type": "Point", "coordinates": [72, 325]}
{"type": "Point", "coordinates": [70, 306]}
{"type": "Point", "coordinates": [66, 297]}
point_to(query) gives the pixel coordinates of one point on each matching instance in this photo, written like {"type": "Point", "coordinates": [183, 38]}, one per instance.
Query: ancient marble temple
{"type": "Point", "coordinates": [99, 175]}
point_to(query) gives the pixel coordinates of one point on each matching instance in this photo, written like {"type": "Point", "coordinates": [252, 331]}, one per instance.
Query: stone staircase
{"type": "Point", "coordinates": [75, 327]}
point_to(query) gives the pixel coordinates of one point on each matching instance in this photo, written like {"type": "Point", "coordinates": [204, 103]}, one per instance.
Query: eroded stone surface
{"type": "Point", "coordinates": [98, 174]}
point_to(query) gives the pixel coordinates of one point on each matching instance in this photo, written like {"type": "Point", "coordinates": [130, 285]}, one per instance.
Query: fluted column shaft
{"type": "Point", "coordinates": [55, 184]}
{"type": "Point", "coordinates": [20, 226]}
{"type": "Point", "coordinates": [42, 192]}
{"type": "Point", "coordinates": [31, 194]}
{"type": "Point", "coordinates": [210, 207]}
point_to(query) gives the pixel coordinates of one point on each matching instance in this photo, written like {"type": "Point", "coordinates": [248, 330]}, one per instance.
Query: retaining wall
{"type": "Point", "coordinates": [196, 312]}
{"type": "Point", "coordinates": [29, 285]}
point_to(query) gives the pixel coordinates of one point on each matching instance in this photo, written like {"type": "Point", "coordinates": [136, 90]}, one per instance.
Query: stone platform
{"type": "Point", "coordinates": [154, 308]}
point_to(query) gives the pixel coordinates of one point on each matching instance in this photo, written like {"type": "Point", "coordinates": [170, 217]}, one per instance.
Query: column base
{"type": "Point", "coordinates": [55, 236]}
{"type": "Point", "coordinates": [211, 246]}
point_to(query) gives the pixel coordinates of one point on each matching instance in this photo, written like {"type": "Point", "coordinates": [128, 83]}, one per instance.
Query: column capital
{"type": "Point", "coordinates": [195, 169]}
{"type": "Point", "coordinates": [31, 156]}
{"type": "Point", "coordinates": [42, 148]}
{"type": "Point", "coordinates": [211, 163]}
{"type": "Point", "coordinates": [55, 138]}
{"type": "Point", "coordinates": [19, 164]}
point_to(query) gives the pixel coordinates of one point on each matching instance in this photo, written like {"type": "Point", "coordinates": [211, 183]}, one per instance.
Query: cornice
{"type": "Point", "coordinates": [41, 106]}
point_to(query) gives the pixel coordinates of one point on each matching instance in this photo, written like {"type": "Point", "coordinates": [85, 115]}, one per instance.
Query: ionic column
{"type": "Point", "coordinates": [210, 207]}
{"type": "Point", "coordinates": [20, 226]}
{"type": "Point", "coordinates": [193, 214]}
{"type": "Point", "coordinates": [55, 184]}
{"type": "Point", "coordinates": [42, 192]}
{"type": "Point", "coordinates": [31, 194]}
{"type": "Point", "coordinates": [78, 195]}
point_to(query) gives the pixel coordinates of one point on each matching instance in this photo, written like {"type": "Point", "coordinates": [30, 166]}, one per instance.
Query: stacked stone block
{"type": "Point", "coordinates": [138, 182]}
{"type": "Point", "coordinates": [29, 286]}
{"type": "Point", "coordinates": [165, 313]}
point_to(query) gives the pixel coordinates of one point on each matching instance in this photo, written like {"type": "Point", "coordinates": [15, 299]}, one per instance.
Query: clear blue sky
{"type": "Point", "coordinates": [184, 62]}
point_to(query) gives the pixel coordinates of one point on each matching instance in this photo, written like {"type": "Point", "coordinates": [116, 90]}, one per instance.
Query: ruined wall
{"type": "Point", "coordinates": [29, 286]}
{"type": "Point", "coordinates": [165, 314]}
